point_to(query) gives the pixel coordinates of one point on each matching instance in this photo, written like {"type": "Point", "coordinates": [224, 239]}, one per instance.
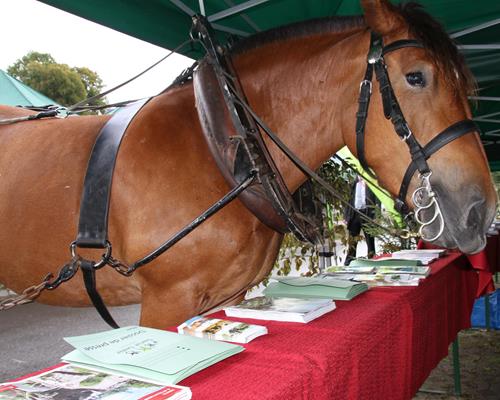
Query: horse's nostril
{"type": "Point", "coordinates": [474, 215]}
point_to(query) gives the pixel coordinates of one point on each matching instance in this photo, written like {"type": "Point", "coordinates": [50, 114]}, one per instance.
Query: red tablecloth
{"type": "Point", "coordinates": [482, 262]}
{"type": "Point", "coordinates": [381, 345]}
{"type": "Point", "coordinates": [493, 253]}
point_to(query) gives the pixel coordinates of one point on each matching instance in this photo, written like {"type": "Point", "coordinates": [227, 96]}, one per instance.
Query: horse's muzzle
{"type": "Point", "coordinates": [467, 217]}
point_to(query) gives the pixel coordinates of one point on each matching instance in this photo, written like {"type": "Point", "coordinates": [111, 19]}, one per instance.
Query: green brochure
{"type": "Point", "coordinates": [315, 287]}
{"type": "Point", "coordinates": [385, 262]}
{"type": "Point", "coordinates": [164, 356]}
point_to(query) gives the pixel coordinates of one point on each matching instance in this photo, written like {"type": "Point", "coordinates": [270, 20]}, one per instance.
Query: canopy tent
{"type": "Point", "coordinates": [16, 93]}
{"type": "Point", "coordinates": [475, 25]}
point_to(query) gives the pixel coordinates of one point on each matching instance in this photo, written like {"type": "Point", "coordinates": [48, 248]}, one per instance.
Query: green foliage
{"type": "Point", "coordinates": [92, 82]}
{"type": "Point", "coordinates": [60, 82]}
{"type": "Point", "coordinates": [294, 253]}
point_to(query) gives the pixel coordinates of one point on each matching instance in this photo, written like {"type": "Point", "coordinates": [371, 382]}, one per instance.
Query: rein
{"type": "Point", "coordinates": [77, 108]}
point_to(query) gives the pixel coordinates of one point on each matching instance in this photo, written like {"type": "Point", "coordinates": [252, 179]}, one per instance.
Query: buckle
{"type": "Point", "coordinates": [408, 135]}
{"type": "Point", "coordinates": [366, 82]}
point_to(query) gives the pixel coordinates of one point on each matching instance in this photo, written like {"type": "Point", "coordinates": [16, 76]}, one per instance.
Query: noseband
{"type": "Point", "coordinates": [424, 197]}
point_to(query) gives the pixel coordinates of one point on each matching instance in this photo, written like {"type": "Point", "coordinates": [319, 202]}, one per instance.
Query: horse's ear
{"type": "Point", "coordinates": [381, 16]}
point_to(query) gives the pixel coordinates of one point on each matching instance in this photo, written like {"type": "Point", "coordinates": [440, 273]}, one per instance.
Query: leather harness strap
{"type": "Point", "coordinates": [88, 271]}
{"type": "Point", "coordinates": [94, 205]}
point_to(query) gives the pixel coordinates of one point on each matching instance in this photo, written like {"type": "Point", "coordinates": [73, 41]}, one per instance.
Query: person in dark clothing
{"type": "Point", "coordinates": [365, 201]}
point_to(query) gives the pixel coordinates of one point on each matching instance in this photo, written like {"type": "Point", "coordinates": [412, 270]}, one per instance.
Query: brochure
{"type": "Point", "coordinates": [220, 329]}
{"type": "Point", "coordinates": [383, 279]}
{"type": "Point", "coordinates": [66, 381]}
{"type": "Point", "coordinates": [281, 309]}
{"type": "Point", "coordinates": [163, 356]}
{"type": "Point", "coordinates": [350, 269]}
{"type": "Point", "coordinates": [390, 270]}
{"type": "Point", "coordinates": [424, 256]}
{"type": "Point", "coordinates": [323, 287]}
{"type": "Point", "coordinates": [385, 261]}
{"type": "Point", "coordinates": [380, 268]}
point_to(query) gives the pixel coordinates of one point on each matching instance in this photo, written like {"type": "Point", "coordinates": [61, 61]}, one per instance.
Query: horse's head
{"type": "Point", "coordinates": [428, 100]}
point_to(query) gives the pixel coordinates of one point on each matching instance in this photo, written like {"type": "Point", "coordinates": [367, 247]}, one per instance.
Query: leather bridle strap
{"type": "Point", "coordinates": [442, 139]}
{"type": "Point", "coordinates": [392, 111]}
{"type": "Point", "coordinates": [375, 60]}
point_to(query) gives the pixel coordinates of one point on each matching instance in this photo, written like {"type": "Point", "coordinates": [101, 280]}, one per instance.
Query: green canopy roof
{"type": "Point", "coordinates": [474, 24]}
{"type": "Point", "coordinates": [16, 93]}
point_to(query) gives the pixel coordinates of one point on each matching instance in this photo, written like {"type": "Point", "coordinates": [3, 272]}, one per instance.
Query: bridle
{"type": "Point", "coordinates": [424, 197]}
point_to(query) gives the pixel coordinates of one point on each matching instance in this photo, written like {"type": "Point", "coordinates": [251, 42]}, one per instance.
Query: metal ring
{"type": "Point", "coordinates": [105, 257]}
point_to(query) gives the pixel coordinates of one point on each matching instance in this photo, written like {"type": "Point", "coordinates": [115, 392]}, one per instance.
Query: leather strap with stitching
{"type": "Point", "coordinates": [94, 205]}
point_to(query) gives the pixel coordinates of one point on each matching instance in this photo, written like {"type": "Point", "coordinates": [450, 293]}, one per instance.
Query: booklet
{"type": "Point", "coordinates": [66, 381]}
{"type": "Point", "coordinates": [220, 329]}
{"type": "Point", "coordinates": [323, 287]}
{"type": "Point", "coordinates": [424, 256]}
{"type": "Point", "coordinates": [390, 270]}
{"type": "Point", "coordinates": [385, 261]}
{"type": "Point", "coordinates": [281, 309]}
{"type": "Point", "coordinates": [383, 279]}
{"type": "Point", "coordinates": [350, 269]}
{"type": "Point", "coordinates": [149, 353]}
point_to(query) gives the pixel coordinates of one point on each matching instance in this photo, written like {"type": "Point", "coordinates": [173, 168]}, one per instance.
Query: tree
{"type": "Point", "coordinates": [60, 82]}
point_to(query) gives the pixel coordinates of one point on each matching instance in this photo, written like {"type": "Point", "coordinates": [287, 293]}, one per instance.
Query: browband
{"type": "Point", "coordinates": [399, 44]}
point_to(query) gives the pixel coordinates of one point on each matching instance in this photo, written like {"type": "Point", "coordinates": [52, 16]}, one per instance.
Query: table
{"type": "Point", "coordinates": [482, 262]}
{"type": "Point", "coordinates": [493, 253]}
{"type": "Point", "coordinates": [381, 345]}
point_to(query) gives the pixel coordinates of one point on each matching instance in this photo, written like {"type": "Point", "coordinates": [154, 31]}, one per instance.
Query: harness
{"type": "Point", "coordinates": [231, 129]}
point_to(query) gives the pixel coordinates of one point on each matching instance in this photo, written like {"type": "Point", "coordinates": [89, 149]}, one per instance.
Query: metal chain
{"type": "Point", "coordinates": [66, 272]}
{"type": "Point", "coordinates": [27, 296]}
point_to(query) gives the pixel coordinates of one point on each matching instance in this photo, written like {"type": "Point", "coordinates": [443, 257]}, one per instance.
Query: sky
{"type": "Point", "coordinates": [34, 26]}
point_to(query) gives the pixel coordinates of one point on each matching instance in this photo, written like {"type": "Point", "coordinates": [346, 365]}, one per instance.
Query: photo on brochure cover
{"type": "Point", "coordinates": [74, 383]}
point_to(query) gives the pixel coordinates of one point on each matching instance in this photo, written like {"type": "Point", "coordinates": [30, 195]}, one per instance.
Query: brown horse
{"type": "Point", "coordinates": [303, 80]}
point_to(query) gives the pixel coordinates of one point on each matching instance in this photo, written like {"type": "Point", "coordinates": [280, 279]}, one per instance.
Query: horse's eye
{"type": "Point", "coordinates": [416, 79]}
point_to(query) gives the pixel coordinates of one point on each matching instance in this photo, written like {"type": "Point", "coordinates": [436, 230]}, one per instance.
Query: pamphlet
{"type": "Point", "coordinates": [163, 356]}
{"type": "Point", "coordinates": [424, 256]}
{"type": "Point", "coordinates": [322, 286]}
{"type": "Point", "coordinates": [351, 269]}
{"type": "Point", "coordinates": [281, 309]}
{"type": "Point", "coordinates": [220, 329]}
{"type": "Point", "coordinates": [387, 261]}
{"type": "Point", "coordinates": [390, 270]}
{"type": "Point", "coordinates": [66, 381]}
{"type": "Point", "coordinates": [383, 279]}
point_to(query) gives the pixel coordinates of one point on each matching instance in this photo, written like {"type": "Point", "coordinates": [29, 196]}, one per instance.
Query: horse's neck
{"type": "Point", "coordinates": [306, 91]}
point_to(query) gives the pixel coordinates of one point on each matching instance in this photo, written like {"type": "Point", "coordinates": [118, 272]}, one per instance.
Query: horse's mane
{"type": "Point", "coordinates": [311, 27]}
{"type": "Point", "coordinates": [422, 26]}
